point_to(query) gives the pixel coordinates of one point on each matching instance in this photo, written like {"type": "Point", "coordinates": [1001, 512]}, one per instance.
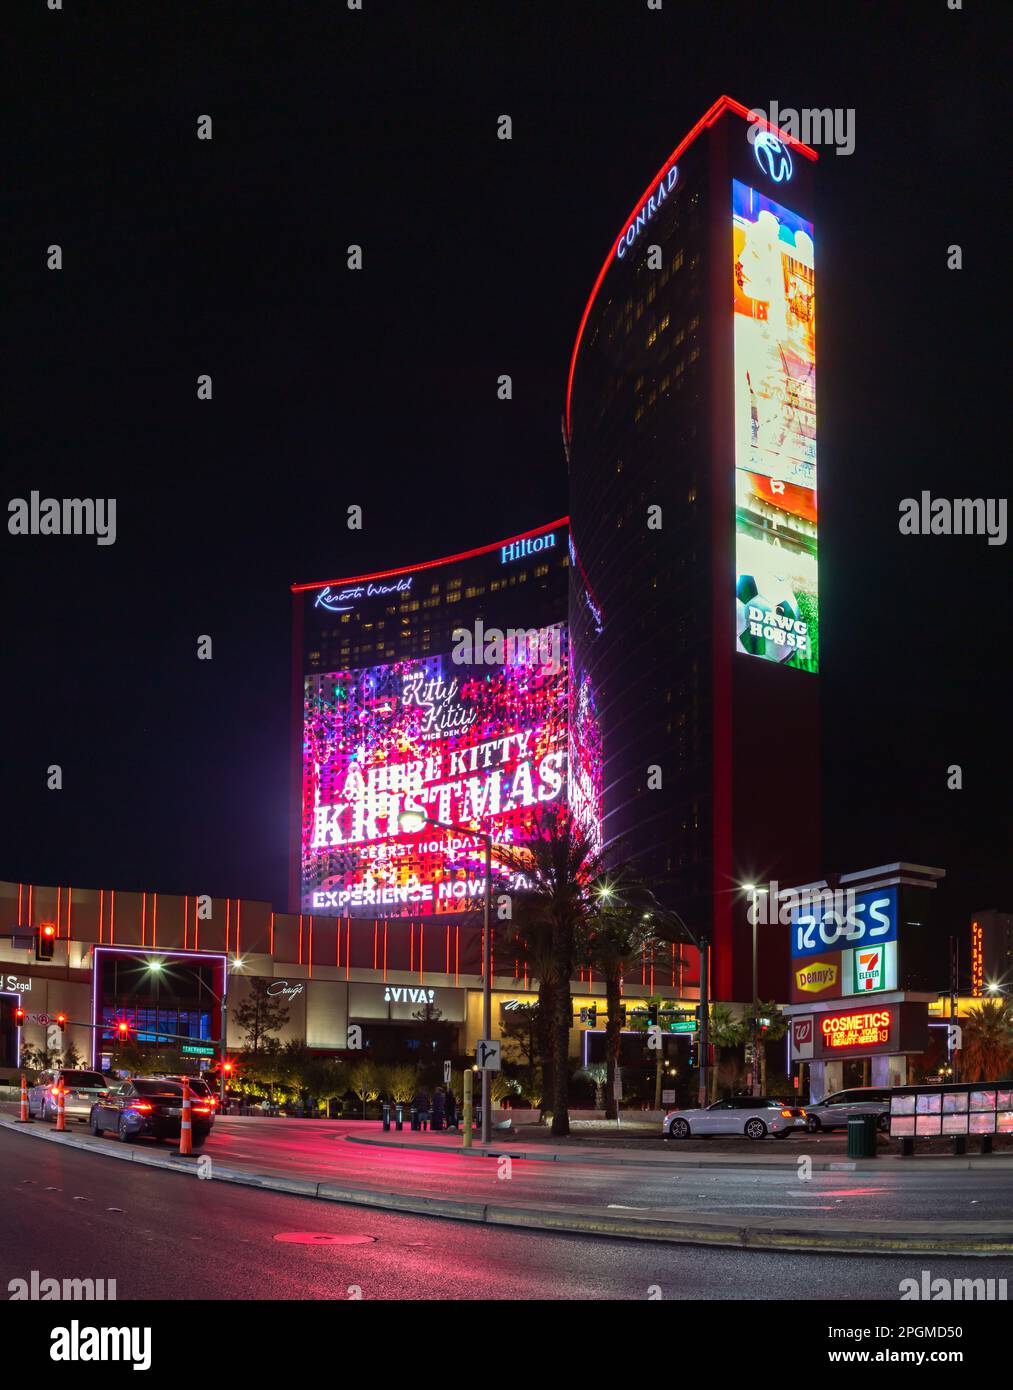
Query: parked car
{"type": "Point", "coordinates": [753, 1116]}
{"type": "Point", "coordinates": [145, 1106]}
{"type": "Point", "coordinates": [834, 1111]}
{"type": "Point", "coordinates": [79, 1091]}
{"type": "Point", "coordinates": [199, 1089]}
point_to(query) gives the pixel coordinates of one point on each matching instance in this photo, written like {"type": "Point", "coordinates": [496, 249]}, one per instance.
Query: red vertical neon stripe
{"type": "Point", "coordinates": [422, 953]}
{"type": "Point", "coordinates": [448, 949]}
{"type": "Point", "coordinates": [154, 919]}
{"type": "Point", "coordinates": [300, 938]}
{"type": "Point", "coordinates": [411, 945]}
{"type": "Point", "coordinates": [348, 943]}
{"type": "Point", "coordinates": [272, 933]}
{"type": "Point", "coordinates": [29, 904]}
{"type": "Point", "coordinates": [58, 894]}
{"type": "Point", "coordinates": [239, 923]}
{"type": "Point", "coordinates": [228, 921]}
{"type": "Point", "coordinates": [457, 954]}
{"type": "Point", "coordinates": [311, 946]}
{"type": "Point", "coordinates": [70, 906]}
{"type": "Point", "coordinates": [101, 896]}
{"type": "Point", "coordinates": [385, 949]}
{"type": "Point", "coordinates": [376, 932]}
{"type": "Point", "coordinates": [112, 916]}
{"type": "Point", "coordinates": [20, 890]}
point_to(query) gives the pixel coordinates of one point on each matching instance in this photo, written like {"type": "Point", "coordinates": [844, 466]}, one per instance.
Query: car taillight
{"type": "Point", "coordinates": [140, 1105]}
{"type": "Point", "coordinates": [786, 1114]}
{"type": "Point", "coordinates": [201, 1109]}
{"type": "Point", "coordinates": [213, 1101]}
{"type": "Point", "coordinates": [801, 1112]}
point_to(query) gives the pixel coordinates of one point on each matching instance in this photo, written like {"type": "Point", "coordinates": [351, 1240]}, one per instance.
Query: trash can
{"type": "Point", "coordinates": [862, 1136]}
{"type": "Point", "coordinates": [399, 1116]}
{"type": "Point", "coordinates": [385, 1114]}
{"type": "Point", "coordinates": [414, 1114]}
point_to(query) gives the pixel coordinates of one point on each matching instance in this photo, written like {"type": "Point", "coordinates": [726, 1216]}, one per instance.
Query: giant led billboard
{"type": "Point", "coordinates": [481, 744]}
{"type": "Point", "coordinates": [776, 591]}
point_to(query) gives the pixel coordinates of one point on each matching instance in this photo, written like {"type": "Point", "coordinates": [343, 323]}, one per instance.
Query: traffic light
{"type": "Point", "coordinates": [652, 1015]}
{"type": "Point", "coordinates": [583, 1015]}
{"type": "Point", "coordinates": [19, 1016]}
{"type": "Point", "coordinates": [123, 1031]}
{"type": "Point", "coordinates": [592, 1016]}
{"type": "Point", "coordinates": [45, 941]}
{"type": "Point", "coordinates": [228, 1068]}
{"type": "Point", "coordinates": [61, 1022]}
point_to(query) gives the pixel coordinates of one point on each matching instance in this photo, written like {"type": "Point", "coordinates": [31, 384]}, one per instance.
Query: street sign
{"type": "Point", "coordinates": [197, 1050]}
{"type": "Point", "coordinates": [37, 1018]}
{"type": "Point", "coordinates": [668, 1097]}
{"type": "Point", "coordinates": [446, 1073]}
{"type": "Point", "coordinates": [684, 1025]}
{"type": "Point", "coordinates": [487, 1055]}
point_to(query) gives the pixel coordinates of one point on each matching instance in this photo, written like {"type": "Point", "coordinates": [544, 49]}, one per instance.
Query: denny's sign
{"type": "Point", "coordinates": [816, 979]}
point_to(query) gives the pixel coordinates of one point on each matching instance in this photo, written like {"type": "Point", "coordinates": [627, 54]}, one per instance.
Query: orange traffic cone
{"type": "Point", "coordinates": [185, 1127]}
{"type": "Point", "coordinates": [25, 1117]}
{"type": "Point", "coordinates": [61, 1122]}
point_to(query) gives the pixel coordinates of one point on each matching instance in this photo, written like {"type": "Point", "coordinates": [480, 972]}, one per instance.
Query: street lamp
{"type": "Point", "coordinates": [755, 891]}
{"type": "Point", "coordinates": [410, 823]}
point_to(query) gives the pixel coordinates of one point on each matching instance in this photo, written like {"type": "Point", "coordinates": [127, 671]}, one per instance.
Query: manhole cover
{"type": "Point", "coordinates": [322, 1238]}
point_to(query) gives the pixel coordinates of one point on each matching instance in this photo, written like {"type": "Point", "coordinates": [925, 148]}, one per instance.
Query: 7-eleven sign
{"type": "Point", "coordinates": [869, 972]}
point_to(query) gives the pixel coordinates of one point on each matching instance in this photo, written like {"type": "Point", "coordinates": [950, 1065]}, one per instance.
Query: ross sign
{"type": "Point", "coordinates": [829, 924]}
{"type": "Point", "coordinates": [487, 1055]}
{"type": "Point", "coordinates": [197, 1050]}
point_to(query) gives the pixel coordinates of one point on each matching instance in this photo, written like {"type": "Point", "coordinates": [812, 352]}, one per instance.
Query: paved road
{"type": "Point", "coordinates": [322, 1150]}
{"type": "Point", "coordinates": [68, 1213]}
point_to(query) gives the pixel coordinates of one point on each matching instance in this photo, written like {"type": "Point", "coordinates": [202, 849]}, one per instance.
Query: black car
{"type": "Point", "coordinates": [144, 1106]}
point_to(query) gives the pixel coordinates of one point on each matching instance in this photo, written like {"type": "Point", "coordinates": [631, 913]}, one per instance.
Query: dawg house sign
{"type": "Point", "coordinates": [465, 744]}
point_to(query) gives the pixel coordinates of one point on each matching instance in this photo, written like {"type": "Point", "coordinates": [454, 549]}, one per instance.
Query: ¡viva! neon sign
{"type": "Point", "coordinates": [646, 211]}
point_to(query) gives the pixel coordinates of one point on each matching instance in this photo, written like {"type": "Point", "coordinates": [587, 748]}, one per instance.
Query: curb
{"type": "Point", "coordinates": [993, 1239]}
{"type": "Point", "coordinates": [938, 1162]}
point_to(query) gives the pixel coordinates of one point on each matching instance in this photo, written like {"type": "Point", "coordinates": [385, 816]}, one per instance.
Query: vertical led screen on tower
{"type": "Point", "coordinates": [482, 744]}
{"type": "Point", "coordinates": [776, 591]}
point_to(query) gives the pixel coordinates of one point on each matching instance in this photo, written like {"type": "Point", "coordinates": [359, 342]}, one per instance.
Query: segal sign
{"type": "Point", "coordinates": [20, 984]}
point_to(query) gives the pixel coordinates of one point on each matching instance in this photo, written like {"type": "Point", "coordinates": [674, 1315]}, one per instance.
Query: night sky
{"type": "Point", "coordinates": [379, 388]}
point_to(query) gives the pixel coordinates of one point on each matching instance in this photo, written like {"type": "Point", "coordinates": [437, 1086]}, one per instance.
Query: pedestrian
{"type": "Point", "coordinates": [422, 1107]}
{"type": "Point", "coordinates": [450, 1110]}
{"type": "Point", "coordinates": [439, 1102]}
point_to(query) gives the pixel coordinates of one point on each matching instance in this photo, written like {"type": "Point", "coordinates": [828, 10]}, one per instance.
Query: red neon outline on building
{"type": "Point", "coordinates": [723, 104]}
{"type": "Point", "coordinates": [432, 564]}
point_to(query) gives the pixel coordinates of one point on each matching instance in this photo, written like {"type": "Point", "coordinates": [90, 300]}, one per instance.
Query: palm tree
{"type": "Point", "coordinates": [774, 1032]}
{"type": "Point", "coordinates": [624, 922]}
{"type": "Point", "coordinates": [560, 866]}
{"type": "Point", "coordinates": [724, 1030]}
{"type": "Point", "coordinates": [987, 1045]}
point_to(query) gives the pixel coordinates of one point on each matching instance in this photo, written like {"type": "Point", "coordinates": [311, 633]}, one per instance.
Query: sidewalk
{"type": "Point", "coordinates": [764, 1155]}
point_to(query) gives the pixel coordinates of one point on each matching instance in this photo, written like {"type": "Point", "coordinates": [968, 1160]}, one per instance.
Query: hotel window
{"type": "Point", "coordinates": [453, 583]}
{"type": "Point", "coordinates": [640, 309]}
{"type": "Point", "coordinates": [431, 602]}
{"type": "Point", "coordinates": [453, 598]}
{"type": "Point", "coordinates": [541, 570]}
{"type": "Point", "coordinates": [677, 260]}
{"type": "Point", "coordinates": [652, 337]}
{"type": "Point", "coordinates": [475, 591]}
{"type": "Point", "coordinates": [651, 293]}
{"type": "Point", "coordinates": [664, 323]}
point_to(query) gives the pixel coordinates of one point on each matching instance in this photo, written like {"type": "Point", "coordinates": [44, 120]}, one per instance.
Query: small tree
{"type": "Point", "coordinates": [259, 1015]}
{"type": "Point", "coordinates": [402, 1083]}
{"type": "Point", "coordinates": [364, 1082]}
{"type": "Point", "coordinates": [597, 1074]}
{"type": "Point", "coordinates": [725, 1031]}
{"type": "Point", "coordinates": [777, 1027]}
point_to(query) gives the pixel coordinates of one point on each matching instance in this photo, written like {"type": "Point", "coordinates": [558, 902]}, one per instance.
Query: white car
{"type": "Point", "coordinates": [81, 1089]}
{"type": "Point", "coordinates": [753, 1116]}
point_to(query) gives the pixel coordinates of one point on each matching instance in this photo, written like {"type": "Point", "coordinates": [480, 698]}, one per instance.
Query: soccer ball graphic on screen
{"type": "Point", "coordinates": [768, 620]}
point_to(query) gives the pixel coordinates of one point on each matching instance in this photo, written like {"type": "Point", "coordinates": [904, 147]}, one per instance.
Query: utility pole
{"type": "Point", "coordinates": [704, 948]}
{"type": "Point", "coordinates": [954, 993]}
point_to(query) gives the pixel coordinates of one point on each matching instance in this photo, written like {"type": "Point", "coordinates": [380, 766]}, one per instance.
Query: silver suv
{"type": "Point", "coordinates": [81, 1089]}
{"type": "Point", "coordinates": [836, 1110]}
